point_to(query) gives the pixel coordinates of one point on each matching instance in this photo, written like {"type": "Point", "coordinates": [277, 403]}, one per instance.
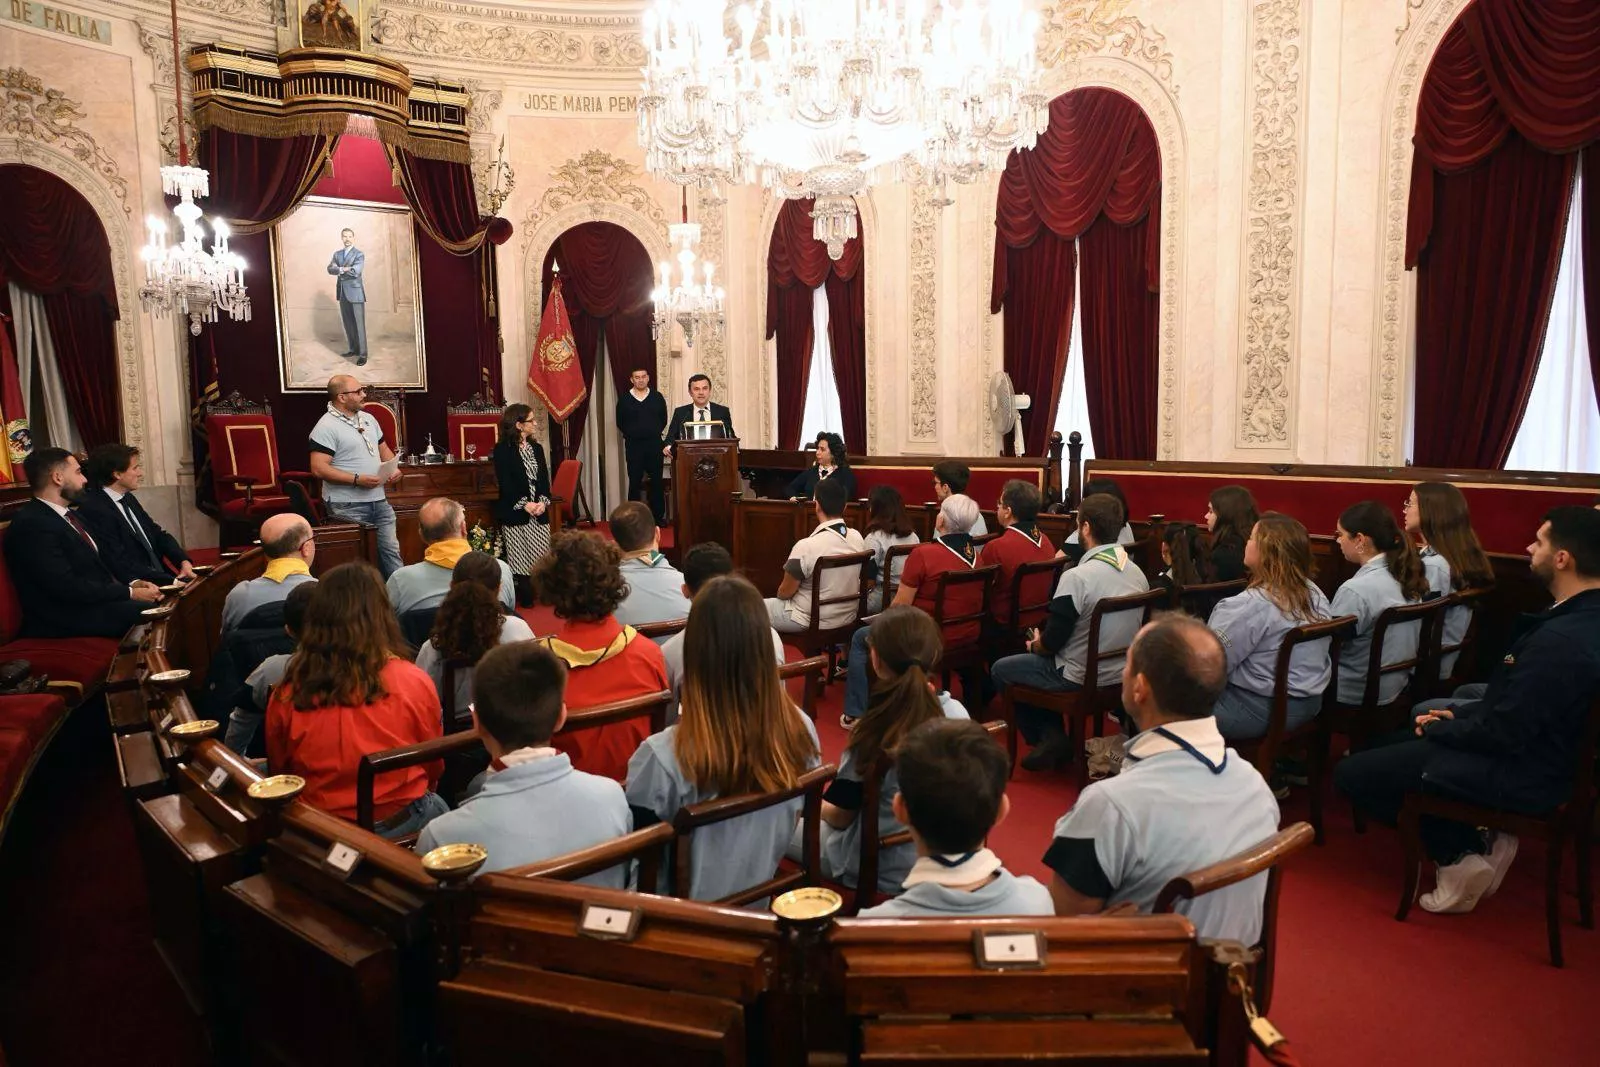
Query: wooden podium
{"type": "Point", "coordinates": [705, 478]}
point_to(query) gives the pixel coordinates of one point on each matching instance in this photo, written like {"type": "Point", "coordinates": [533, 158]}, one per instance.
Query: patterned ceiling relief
{"type": "Point", "coordinates": [595, 176]}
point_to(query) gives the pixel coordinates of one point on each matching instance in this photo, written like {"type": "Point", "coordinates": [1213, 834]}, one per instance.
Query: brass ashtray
{"type": "Point", "coordinates": [810, 904]}
{"type": "Point", "coordinates": [172, 587]}
{"type": "Point", "coordinates": [170, 679]}
{"type": "Point", "coordinates": [278, 789]}
{"type": "Point", "coordinates": [194, 730]}
{"type": "Point", "coordinates": [157, 613]}
{"type": "Point", "coordinates": [228, 555]}
{"type": "Point", "coordinates": [203, 568]}
{"type": "Point", "coordinates": [451, 863]}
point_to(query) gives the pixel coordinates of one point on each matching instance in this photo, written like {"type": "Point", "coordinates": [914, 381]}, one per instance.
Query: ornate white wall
{"type": "Point", "coordinates": [1284, 125]}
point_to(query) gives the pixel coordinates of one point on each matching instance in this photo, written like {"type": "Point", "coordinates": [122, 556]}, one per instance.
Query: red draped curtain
{"type": "Point", "coordinates": [52, 243]}
{"type": "Point", "coordinates": [606, 281]}
{"type": "Point", "coordinates": [1095, 179]}
{"type": "Point", "coordinates": [1510, 99]}
{"type": "Point", "coordinates": [797, 263]}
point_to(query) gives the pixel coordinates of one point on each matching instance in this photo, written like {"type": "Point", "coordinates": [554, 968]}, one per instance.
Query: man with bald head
{"type": "Point", "coordinates": [443, 524]}
{"type": "Point", "coordinates": [347, 448]}
{"type": "Point", "coordinates": [290, 547]}
{"type": "Point", "coordinates": [1183, 801]}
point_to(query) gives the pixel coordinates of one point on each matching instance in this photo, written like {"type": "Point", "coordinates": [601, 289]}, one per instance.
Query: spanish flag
{"type": "Point", "coordinates": [13, 416]}
{"type": "Point", "coordinates": [554, 375]}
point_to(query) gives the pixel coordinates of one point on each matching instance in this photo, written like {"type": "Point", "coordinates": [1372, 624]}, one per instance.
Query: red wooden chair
{"type": "Point", "coordinates": [387, 406]}
{"type": "Point", "coordinates": [245, 475]}
{"type": "Point", "coordinates": [474, 422]}
{"type": "Point", "coordinates": [565, 495]}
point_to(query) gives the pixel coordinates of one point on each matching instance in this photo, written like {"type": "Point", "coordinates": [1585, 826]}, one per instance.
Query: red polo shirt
{"type": "Point", "coordinates": [325, 745]}
{"type": "Point", "coordinates": [635, 671]}
{"type": "Point", "coordinates": [1009, 551]}
{"type": "Point", "coordinates": [923, 566]}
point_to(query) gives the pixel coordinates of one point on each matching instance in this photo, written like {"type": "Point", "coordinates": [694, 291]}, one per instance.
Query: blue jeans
{"type": "Point", "coordinates": [414, 816]}
{"type": "Point", "coordinates": [858, 677]}
{"type": "Point", "coordinates": [372, 513]}
{"type": "Point", "coordinates": [1242, 715]}
{"type": "Point", "coordinates": [1037, 672]}
{"type": "Point", "coordinates": [242, 727]}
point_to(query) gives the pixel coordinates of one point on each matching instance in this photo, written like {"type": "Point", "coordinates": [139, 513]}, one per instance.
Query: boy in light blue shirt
{"type": "Point", "coordinates": [533, 805]}
{"type": "Point", "coordinates": [952, 793]}
{"type": "Point", "coordinates": [655, 587]}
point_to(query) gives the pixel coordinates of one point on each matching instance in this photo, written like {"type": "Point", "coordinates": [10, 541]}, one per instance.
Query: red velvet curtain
{"type": "Point", "coordinates": [1591, 258]}
{"type": "Point", "coordinates": [1098, 160]}
{"type": "Point", "coordinates": [257, 181]}
{"type": "Point", "coordinates": [51, 242]}
{"type": "Point", "coordinates": [797, 263]}
{"type": "Point", "coordinates": [446, 203]}
{"type": "Point", "coordinates": [1510, 98]}
{"type": "Point", "coordinates": [606, 280]}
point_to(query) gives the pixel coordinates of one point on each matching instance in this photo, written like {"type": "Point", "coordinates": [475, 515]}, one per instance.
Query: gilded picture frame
{"type": "Point", "coordinates": [349, 295]}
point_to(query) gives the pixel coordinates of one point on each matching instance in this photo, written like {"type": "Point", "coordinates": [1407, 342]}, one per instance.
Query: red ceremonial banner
{"type": "Point", "coordinates": [554, 374]}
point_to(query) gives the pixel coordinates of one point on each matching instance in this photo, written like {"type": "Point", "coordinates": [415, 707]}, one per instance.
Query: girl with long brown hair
{"type": "Point", "coordinates": [888, 525]}
{"type": "Point", "coordinates": [738, 732]}
{"type": "Point", "coordinates": [1252, 625]}
{"type": "Point", "coordinates": [1389, 573]}
{"type": "Point", "coordinates": [469, 623]}
{"type": "Point", "coordinates": [1452, 558]}
{"type": "Point", "coordinates": [351, 689]}
{"type": "Point", "coordinates": [903, 646]}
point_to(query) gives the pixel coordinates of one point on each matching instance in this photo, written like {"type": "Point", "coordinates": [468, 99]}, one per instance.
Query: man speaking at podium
{"type": "Point", "coordinates": [701, 410]}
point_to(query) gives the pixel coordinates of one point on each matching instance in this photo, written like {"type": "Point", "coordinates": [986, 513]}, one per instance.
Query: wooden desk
{"type": "Point", "coordinates": [471, 484]}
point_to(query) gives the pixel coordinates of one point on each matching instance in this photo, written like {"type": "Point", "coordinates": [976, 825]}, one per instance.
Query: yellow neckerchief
{"type": "Point", "coordinates": [1115, 555]}
{"type": "Point", "coordinates": [281, 568]}
{"type": "Point", "coordinates": [447, 553]}
{"type": "Point", "coordinates": [573, 656]}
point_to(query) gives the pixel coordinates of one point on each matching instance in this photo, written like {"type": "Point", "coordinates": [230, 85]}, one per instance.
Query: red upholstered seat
{"type": "Point", "coordinates": [388, 420]}
{"type": "Point", "coordinates": [479, 430]}
{"type": "Point", "coordinates": [26, 725]}
{"type": "Point", "coordinates": [79, 660]}
{"type": "Point", "coordinates": [244, 465]}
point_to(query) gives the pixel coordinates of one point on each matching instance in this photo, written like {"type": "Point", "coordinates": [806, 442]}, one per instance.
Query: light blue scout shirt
{"type": "Point", "coordinates": [1252, 628]}
{"type": "Point", "coordinates": [655, 592]}
{"type": "Point", "coordinates": [841, 849]}
{"type": "Point", "coordinates": [1124, 536]}
{"type": "Point", "coordinates": [1366, 595]}
{"type": "Point", "coordinates": [929, 894]}
{"type": "Point", "coordinates": [1104, 573]}
{"type": "Point", "coordinates": [728, 856]}
{"type": "Point", "coordinates": [537, 810]}
{"type": "Point", "coordinates": [1456, 620]}
{"type": "Point", "coordinates": [351, 442]}
{"type": "Point", "coordinates": [512, 628]}
{"type": "Point", "coordinates": [424, 585]}
{"type": "Point", "coordinates": [1169, 813]}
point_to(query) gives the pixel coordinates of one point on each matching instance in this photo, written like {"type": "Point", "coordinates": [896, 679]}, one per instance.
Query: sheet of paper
{"type": "Point", "coordinates": [387, 468]}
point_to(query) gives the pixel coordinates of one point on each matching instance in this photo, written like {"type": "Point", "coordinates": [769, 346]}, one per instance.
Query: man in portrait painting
{"type": "Point", "coordinates": [346, 267]}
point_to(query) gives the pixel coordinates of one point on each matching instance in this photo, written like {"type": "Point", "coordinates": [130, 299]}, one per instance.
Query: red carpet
{"type": "Point", "coordinates": [1354, 986]}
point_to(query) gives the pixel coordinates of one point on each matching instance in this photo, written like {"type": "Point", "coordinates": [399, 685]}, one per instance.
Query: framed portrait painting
{"type": "Point", "coordinates": [332, 24]}
{"type": "Point", "coordinates": [349, 295]}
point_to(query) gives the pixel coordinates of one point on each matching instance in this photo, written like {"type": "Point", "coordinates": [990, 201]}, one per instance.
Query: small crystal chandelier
{"type": "Point", "coordinates": [184, 277]}
{"type": "Point", "coordinates": [695, 307]}
{"type": "Point", "coordinates": [833, 96]}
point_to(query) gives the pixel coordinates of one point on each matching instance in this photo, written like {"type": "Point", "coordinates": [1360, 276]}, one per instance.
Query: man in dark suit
{"type": "Point", "coordinates": [700, 410]}
{"type": "Point", "coordinates": [131, 542]}
{"type": "Point", "coordinates": [65, 586]}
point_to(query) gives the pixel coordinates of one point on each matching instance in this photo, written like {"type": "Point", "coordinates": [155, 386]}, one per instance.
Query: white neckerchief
{"type": "Point", "coordinates": [953, 870]}
{"type": "Point", "coordinates": [526, 755]}
{"type": "Point", "coordinates": [354, 422]}
{"type": "Point", "coordinates": [1201, 733]}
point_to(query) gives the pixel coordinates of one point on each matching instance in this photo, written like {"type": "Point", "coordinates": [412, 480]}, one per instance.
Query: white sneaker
{"type": "Point", "coordinates": [1501, 853]}
{"type": "Point", "coordinates": [1459, 887]}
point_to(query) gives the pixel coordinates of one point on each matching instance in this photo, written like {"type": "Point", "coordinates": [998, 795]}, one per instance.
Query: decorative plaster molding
{"type": "Point", "coordinates": [255, 12]}
{"type": "Point", "coordinates": [1412, 6]}
{"type": "Point", "coordinates": [596, 177]}
{"type": "Point", "coordinates": [1073, 30]}
{"type": "Point", "coordinates": [1272, 226]}
{"type": "Point", "coordinates": [711, 212]}
{"type": "Point", "coordinates": [88, 174]}
{"type": "Point", "coordinates": [1140, 81]}
{"type": "Point", "coordinates": [924, 372]}
{"type": "Point", "coordinates": [31, 112]}
{"type": "Point", "coordinates": [485, 102]}
{"type": "Point", "coordinates": [527, 39]}
{"type": "Point", "coordinates": [1394, 321]}
{"type": "Point", "coordinates": [159, 48]}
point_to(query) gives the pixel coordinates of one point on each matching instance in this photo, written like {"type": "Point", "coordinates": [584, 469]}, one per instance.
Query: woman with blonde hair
{"type": "Point", "coordinates": [737, 733]}
{"type": "Point", "coordinates": [1452, 558]}
{"type": "Point", "coordinates": [1252, 626]}
{"type": "Point", "coordinates": [351, 689]}
{"type": "Point", "coordinates": [904, 648]}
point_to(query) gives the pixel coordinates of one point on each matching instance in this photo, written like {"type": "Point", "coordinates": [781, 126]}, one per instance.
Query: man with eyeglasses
{"type": "Point", "coordinates": [347, 449]}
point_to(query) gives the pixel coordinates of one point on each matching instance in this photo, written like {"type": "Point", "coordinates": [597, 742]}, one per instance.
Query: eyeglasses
{"type": "Point", "coordinates": [355, 392]}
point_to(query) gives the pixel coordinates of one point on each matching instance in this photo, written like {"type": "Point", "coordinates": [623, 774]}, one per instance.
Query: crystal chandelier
{"type": "Point", "coordinates": [695, 307]}
{"type": "Point", "coordinates": [184, 278]}
{"type": "Point", "coordinates": [833, 96]}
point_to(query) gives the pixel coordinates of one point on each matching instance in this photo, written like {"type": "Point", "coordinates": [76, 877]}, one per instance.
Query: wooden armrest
{"type": "Point", "coordinates": [1247, 864]}
{"type": "Point", "coordinates": [395, 759]}
{"type": "Point", "coordinates": [725, 808]}
{"type": "Point", "coordinates": [655, 704]}
{"type": "Point", "coordinates": [644, 845]}
{"type": "Point", "coordinates": [899, 837]}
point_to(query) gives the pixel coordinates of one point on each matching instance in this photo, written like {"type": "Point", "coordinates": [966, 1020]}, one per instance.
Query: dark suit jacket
{"type": "Point", "coordinates": [66, 588]}
{"type": "Point", "coordinates": [121, 548]}
{"type": "Point", "coordinates": [683, 414]}
{"type": "Point", "coordinates": [512, 477]}
{"type": "Point", "coordinates": [805, 483]}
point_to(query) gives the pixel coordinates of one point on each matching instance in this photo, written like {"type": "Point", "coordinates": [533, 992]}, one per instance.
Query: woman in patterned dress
{"type": "Point", "coordinates": [522, 510]}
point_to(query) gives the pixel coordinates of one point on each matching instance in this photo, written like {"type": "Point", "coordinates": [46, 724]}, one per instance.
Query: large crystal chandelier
{"type": "Point", "coordinates": [696, 306]}
{"type": "Point", "coordinates": [184, 277]}
{"type": "Point", "coordinates": [824, 98]}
